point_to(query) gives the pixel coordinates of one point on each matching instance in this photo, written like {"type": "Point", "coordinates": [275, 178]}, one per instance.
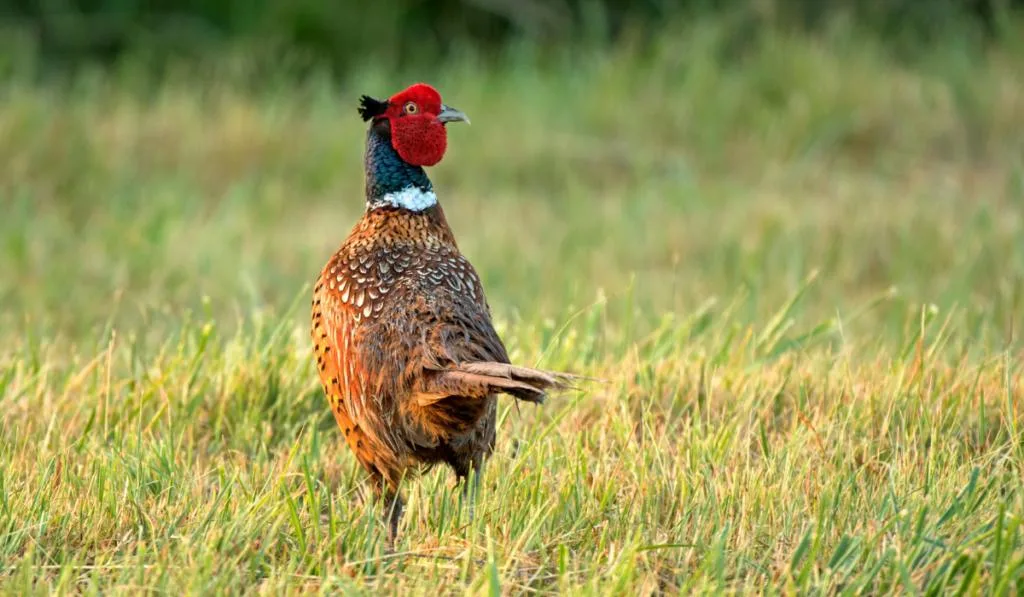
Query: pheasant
{"type": "Point", "coordinates": [405, 348]}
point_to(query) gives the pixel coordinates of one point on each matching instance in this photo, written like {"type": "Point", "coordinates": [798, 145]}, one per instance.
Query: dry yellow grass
{"type": "Point", "coordinates": [800, 271]}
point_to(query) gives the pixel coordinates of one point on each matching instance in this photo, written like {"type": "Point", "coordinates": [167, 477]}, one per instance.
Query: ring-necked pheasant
{"type": "Point", "coordinates": [404, 344]}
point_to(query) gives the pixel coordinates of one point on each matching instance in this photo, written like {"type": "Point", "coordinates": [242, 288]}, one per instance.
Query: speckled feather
{"type": "Point", "coordinates": [405, 348]}
{"type": "Point", "coordinates": [396, 303]}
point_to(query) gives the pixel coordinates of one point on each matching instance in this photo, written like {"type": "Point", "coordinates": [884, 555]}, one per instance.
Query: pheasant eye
{"type": "Point", "coordinates": [410, 108]}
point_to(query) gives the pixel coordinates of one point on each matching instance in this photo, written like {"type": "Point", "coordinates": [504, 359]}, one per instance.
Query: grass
{"type": "Point", "coordinates": [798, 263]}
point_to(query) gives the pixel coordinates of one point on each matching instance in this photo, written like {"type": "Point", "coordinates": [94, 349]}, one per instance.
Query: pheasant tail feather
{"type": "Point", "coordinates": [480, 378]}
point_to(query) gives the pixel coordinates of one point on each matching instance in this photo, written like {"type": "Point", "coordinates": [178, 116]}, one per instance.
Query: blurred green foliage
{"type": "Point", "coordinates": [797, 262]}
{"type": "Point", "coordinates": [341, 33]}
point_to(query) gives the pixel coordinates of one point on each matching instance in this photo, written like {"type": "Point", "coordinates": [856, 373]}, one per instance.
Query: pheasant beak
{"type": "Point", "coordinates": [449, 114]}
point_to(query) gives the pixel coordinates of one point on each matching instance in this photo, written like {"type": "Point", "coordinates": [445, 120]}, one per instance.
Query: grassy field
{"type": "Point", "coordinates": [800, 268]}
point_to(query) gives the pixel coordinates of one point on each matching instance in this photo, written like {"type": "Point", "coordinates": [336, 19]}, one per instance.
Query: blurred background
{"type": "Point", "coordinates": [344, 35]}
{"type": "Point", "coordinates": [790, 233]}
{"type": "Point", "coordinates": [658, 157]}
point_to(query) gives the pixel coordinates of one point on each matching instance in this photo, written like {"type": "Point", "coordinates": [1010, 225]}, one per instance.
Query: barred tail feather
{"type": "Point", "coordinates": [480, 378]}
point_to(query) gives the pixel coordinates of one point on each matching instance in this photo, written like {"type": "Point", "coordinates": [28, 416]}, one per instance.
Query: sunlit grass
{"type": "Point", "coordinates": [799, 268]}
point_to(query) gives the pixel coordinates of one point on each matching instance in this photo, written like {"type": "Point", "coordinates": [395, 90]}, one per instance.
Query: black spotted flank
{"type": "Point", "coordinates": [370, 108]}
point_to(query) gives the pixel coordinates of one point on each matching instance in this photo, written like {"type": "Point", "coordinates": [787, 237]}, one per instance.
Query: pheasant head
{"type": "Point", "coordinates": [407, 132]}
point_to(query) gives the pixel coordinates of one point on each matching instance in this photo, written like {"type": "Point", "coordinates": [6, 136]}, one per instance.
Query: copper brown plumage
{"type": "Point", "coordinates": [404, 344]}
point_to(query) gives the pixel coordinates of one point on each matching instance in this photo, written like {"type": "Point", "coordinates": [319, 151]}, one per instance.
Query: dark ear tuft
{"type": "Point", "coordinates": [370, 108]}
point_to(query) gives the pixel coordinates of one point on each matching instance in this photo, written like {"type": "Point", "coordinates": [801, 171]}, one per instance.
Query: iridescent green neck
{"type": "Point", "coordinates": [390, 180]}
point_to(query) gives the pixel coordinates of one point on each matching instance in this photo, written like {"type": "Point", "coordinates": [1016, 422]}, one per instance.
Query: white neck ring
{"type": "Point", "coordinates": [412, 198]}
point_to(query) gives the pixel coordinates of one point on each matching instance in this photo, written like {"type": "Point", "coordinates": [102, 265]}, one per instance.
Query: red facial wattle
{"type": "Point", "coordinates": [418, 119]}
{"type": "Point", "coordinates": [419, 139]}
